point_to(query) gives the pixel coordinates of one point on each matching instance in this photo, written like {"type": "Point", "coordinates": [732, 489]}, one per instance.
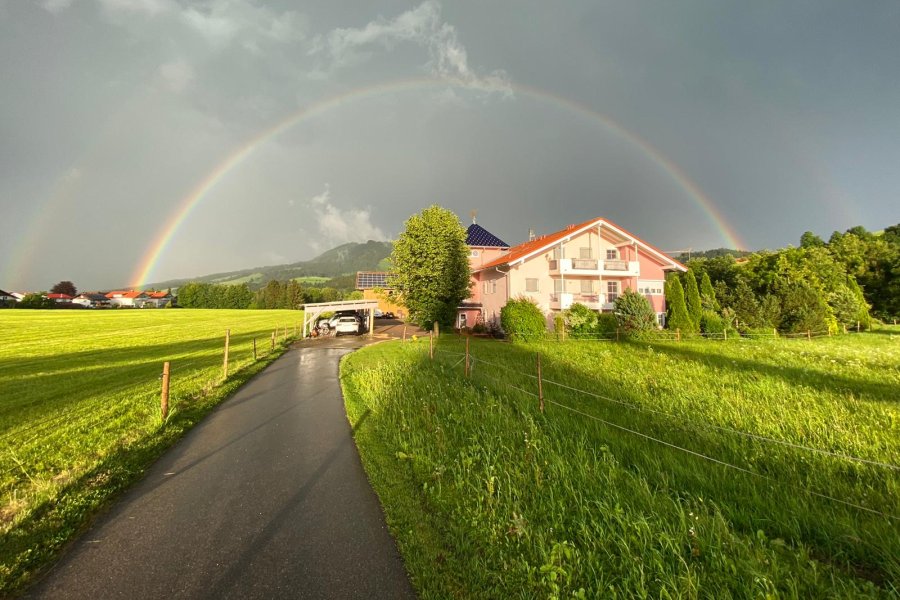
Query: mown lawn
{"type": "Point", "coordinates": [706, 469]}
{"type": "Point", "coordinates": [80, 408]}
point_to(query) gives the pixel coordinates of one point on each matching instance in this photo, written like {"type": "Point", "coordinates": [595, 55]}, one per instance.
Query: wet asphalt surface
{"type": "Point", "coordinates": [266, 498]}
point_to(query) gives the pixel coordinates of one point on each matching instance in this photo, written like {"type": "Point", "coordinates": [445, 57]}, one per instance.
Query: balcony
{"type": "Point", "coordinates": [565, 300]}
{"type": "Point", "coordinates": [591, 266]}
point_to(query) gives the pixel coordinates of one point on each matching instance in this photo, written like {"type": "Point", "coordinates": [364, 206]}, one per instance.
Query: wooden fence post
{"type": "Point", "coordinates": [857, 327]}
{"type": "Point", "coordinates": [273, 341]}
{"type": "Point", "coordinates": [775, 332]}
{"type": "Point", "coordinates": [617, 334]}
{"type": "Point", "coordinates": [845, 328]}
{"type": "Point", "coordinates": [164, 396]}
{"type": "Point", "coordinates": [808, 335]}
{"type": "Point", "coordinates": [678, 334]}
{"type": "Point", "coordinates": [467, 356]}
{"type": "Point", "coordinates": [540, 382]}
{"type": "Point", "coordinates": [225, 362]}
{"type": "Point", "coordinates": [404, 333]}
{"type": "Point", "coordinates": [725, 333]}
{"type": "Point", "coordinates": [437, 330]}
{"type": "Point", "coordinates": [254, 349]}
{"type": "Point", "coordinates": [431, 346]}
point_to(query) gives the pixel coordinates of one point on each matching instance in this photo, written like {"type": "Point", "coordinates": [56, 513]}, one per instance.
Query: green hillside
{"type": "Point", "coordinates": [346, 259]}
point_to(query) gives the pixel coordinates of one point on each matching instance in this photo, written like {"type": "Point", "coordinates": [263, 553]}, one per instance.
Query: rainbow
{"type": "Point", "coordinates": [208, 183]}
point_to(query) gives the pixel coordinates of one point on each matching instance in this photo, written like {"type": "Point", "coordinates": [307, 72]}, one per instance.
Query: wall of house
{"type": "Point", "coordinates": [495, 298]}
{"type": "Point", "coordinates": [384, 303]}
{"type": "Point", "coordinates": [485, 254]}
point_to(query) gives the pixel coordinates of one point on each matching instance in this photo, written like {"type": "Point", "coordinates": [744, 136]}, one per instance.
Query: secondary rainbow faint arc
{"type": "Point", "coordinates": [190, 201]}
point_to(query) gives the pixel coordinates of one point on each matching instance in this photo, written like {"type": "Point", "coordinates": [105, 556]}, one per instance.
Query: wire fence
{"type": "Point", "coordinates": [474, 368]}
{"type": "Point", "coordinates": [667, 335]}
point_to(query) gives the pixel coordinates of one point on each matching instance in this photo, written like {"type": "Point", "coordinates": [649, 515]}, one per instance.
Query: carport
{"type": "Point", "coordinates": [312, 312]}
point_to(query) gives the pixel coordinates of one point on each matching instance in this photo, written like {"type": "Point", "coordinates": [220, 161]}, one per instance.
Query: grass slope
{"type": "Point", "coordinates": [79, 409]}
{"type": "Point", "coordinates": [489, 498]}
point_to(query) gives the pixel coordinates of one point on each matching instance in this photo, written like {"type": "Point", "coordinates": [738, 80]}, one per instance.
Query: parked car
{"type": "Point", "coordinates": [379, 314]}
{"type": "Point", "coordinates": [346, 325]}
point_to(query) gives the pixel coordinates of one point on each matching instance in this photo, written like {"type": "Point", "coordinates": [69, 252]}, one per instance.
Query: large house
{"type": "Point", "coordinates": [92, 300]}
{"type": "Point", "coordinates": [6, 299]}
{"type": "Point", "coordinates": [59, 298]}
{"type": "Point", "coordinates": [158, 299]}
{"type": "Point", "coordinates": [590, 263]}
{"type": "Point", "coordinates": [129, 298]}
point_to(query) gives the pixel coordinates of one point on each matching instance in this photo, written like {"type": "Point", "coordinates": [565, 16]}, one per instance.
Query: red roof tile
{"type": "Point", "coordinates": [522, 250]}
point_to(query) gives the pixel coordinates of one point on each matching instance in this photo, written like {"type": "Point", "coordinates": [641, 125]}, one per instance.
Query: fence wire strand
{"type": "Point", "coordinates": [723, 463]}
{"type": "Point", "coordinates": [694, 453]}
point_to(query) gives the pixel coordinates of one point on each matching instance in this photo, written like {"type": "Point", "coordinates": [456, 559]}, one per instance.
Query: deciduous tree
{"type": "Point", "coordinates": [431, 266]}
{"type": "Point", "coordinates": [64, 287]}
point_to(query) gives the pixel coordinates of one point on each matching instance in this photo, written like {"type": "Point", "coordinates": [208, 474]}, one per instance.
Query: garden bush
{"type": "Point", "coordinates": [522, 319]}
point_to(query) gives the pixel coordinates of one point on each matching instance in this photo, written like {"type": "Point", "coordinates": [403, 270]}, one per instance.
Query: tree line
{"type": "Point", "coordinates": [820, 286]}
{"type": "Point", "coordinates": [274, 295]}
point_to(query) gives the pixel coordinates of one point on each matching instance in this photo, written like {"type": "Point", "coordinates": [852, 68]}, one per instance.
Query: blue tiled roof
{"type": "Point", "coordinates": [476, 235]}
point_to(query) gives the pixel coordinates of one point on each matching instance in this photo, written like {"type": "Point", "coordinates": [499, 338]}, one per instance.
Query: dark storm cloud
{"type": "Point", "coordinates": [113, 111]}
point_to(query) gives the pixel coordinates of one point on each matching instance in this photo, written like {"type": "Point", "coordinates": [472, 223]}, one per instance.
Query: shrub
{"type": "Point", "coordinates": [678, 316]}
{"type": "Point", "coordinates": [713, 322]}
{"type": "Point", "coordinates": [521, 319]}
{"type": "Point", "coordinates": [479, 328]}
{"type": "Point", "coordinates": [692, 300]}
{"type": "Point", "coordinates": [559, 325]}
{"type": "Point", "coordinates": [634, 313]}
{"type": "Point", "coordinates": [580, 320]}
{"type": "Point", "coordinates": [607, 323]}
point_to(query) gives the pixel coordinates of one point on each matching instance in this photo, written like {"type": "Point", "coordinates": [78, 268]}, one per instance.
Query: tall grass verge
{"type": "Point", "coordinates": [489, 498]}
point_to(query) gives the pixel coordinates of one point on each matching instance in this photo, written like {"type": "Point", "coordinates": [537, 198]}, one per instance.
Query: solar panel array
{"type": "Point", "coordinates": [367, 280]}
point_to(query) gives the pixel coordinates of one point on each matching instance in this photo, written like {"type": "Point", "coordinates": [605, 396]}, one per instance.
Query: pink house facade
{"type": "Point", "coordinates": [590, 263]}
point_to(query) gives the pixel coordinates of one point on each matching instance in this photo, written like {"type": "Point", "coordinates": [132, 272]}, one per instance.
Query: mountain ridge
{"type": "Point", "coordinates": [341, 260]}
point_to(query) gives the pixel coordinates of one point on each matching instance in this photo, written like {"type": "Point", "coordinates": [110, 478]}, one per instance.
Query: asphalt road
{"type": "Point", "coordinates": [266, 498]}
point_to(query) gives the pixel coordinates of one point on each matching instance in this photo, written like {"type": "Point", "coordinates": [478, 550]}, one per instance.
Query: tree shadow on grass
{"type": "Point", "coordinates": [27, 549]}
{"type": "Point", "coordinates": [764, 493]}
{"type": "Point", "coordinates": [113, 370]}
{"type": "Point", "coordinates": [869, 390]}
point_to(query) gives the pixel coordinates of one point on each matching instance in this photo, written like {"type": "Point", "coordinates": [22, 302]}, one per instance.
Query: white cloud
{"type": "Point", "coordinates": [422, 26]}
{"type": "Point", "coordinates": [336, 226]}
{"type": "Point", "coordinates": [145, 7]}
{"type": "Point", "coordinates": [177, 75]}
{"type": "Point", "coordinates": [222, 21]}
{"type": "Point", "coordinates": [56, 6]}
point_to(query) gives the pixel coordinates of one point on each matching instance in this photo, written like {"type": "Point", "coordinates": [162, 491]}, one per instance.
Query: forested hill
{"type": "Point", "coordinates": [714, 253]}
{"type": "Point", "coordinates": [344, 260]}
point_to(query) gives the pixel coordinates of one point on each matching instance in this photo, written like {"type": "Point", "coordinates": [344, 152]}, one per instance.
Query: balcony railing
{"type": "Point", "coordinates": [592, 266]}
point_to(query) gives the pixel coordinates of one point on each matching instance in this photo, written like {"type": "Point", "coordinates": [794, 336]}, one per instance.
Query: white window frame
{"type": "Point", "coordinates": [559, 286]}
{"type": "Point", "coordinates": [586, 250]}
{"type": "Point", "coordinates": [612, 291]}
{"type": "Point", "coordinates": [537, 284]}
{"type": "Point", "coordinates": [590, 286]}
{"type": "Point", "coordinates": [612, 254]}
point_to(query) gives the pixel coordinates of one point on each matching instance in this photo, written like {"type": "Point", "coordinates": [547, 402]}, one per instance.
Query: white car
{"type": "Point", "coordinates": [347, 325]}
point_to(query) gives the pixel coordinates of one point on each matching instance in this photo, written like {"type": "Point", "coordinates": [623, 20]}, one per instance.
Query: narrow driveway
{"type": "Point", "coordinates": [266, 498]}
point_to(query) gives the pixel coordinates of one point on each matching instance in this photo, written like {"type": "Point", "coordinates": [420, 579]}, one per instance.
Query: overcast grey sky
{"type": "Point", "coordinates": [692, 124]}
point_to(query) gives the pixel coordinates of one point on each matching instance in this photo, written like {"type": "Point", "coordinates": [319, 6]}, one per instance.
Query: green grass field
{"type": "Point", "coordinates": [80, 408]}
{"type": "Point", "coordinates": [657, 482]}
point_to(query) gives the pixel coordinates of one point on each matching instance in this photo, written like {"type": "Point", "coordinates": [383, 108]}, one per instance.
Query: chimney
{"type": "Point", "coordinates": [531, 235]}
